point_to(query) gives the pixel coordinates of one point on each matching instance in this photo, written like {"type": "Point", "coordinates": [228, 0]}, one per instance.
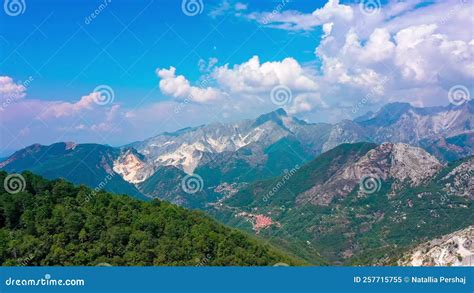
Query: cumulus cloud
{"type": "Point", "coordinates": [246, 87]}
{"type": "Point", "coordinates": [57, 109]}
{"type": "Point", "coordinates": [253, 76]}
{"type": "Point", "coordinates": [402, 51]}
{"type": "Point", "coordinates": [296, 21]}
{"type": "Point", "coordinates": [9, 90]}
{"type": "Point", "coordinates": [179, 87]}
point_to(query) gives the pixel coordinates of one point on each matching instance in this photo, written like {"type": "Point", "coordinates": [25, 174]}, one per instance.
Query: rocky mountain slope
{"type": "Point", "coordinates": [454, 249]}
{"type": "Point", "coordinates": [191, 148]}
{"type": "Point", "coordinates": [401, 122]}
{"type": "Point", "coordinates": [398, 162]}
{"type": "Point", "coordinates": [358, 203]}
{"type": "Point", "coordinates": [247, 140]}
{"type": "Point", "coordinates": [249, 150]}
{"type": "Point", "coordinates": [89, 164]}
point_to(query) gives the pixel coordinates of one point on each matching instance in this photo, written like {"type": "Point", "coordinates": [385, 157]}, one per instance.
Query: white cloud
{"type": "Point", "coordinates": [333, 10]}
{"type": "Point", "coordinates": [57, 109]}
{"type": "Point", "coordinates": [9, 90]}
{"type": "Point", "coordinates": [306, 102]}
{"type": "Point", "coordinates": [227, 6]}
{"type": "Point", "coordinates": [404, 51]}
{"type": "Point", "coordinates": [205, 67]}
{"type": "Point", "coordinates": [245, 87]}
{"type": "Point", "coordinates": [26, 120]}
{"type": "Point", "coordinates": [255, 77]}
{"type": "Point", "coordinates": [296, 21]}
{"type": "Point", "coordinates": [180, 88]}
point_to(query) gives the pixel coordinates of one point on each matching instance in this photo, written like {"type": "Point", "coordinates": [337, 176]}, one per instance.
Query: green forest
{"type": "Point", "coordinates": [57, 223]}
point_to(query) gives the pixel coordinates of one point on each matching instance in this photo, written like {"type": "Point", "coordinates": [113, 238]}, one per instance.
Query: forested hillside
{"type": "Point", "coordinates": [57, 223]}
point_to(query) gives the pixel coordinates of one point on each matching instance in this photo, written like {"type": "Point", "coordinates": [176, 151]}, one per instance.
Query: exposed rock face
{"type": "Point", "coordinates": [455, 249]}
{"type": "Point", "coordinates": [400, 162]}
{"type": "Point", "coordinates": [401, 122]}
{"type": "Point", "coordinates": [131, 167]}
{"type": "Point", "coordinates": [345, 132]}
{"type": "Point", "coordinates": [188, 148]}
{"type": "Point", "coordinates": [231, 149]}
{"type": "Point", "coordinates": [460, 181]}
{"type": "Point", "coordinates": [70, 145]}
{"type": "Point", "coordinates": [412, 163]}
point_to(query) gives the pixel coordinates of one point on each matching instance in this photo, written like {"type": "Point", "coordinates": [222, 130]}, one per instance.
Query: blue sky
{"type": "Point", "coordinates": [119, 71]}
{"type": "Point", "coordinates": [66, 55]}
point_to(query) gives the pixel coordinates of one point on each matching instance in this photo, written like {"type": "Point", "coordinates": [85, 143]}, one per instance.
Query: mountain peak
{"type": "Point", "coordinates": [280, 112]}
{"type": "Point", "coordinates": [272, 116]}
{"type": "Point", "coordinates": [387, 115]}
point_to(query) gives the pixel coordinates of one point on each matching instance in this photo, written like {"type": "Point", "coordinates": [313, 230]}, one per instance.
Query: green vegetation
{"type": "Point", "coordinates": [317, 171]}
{"type": "Point", "coordinates": [89, 164]}
{"type": "Point", "coordinates": [57, 223]}
{"type": "Point", "coordinates": [358, 229]}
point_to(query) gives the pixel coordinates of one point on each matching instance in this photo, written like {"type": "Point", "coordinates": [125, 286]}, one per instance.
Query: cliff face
{"type": "Point", "coordinates": [399, 162]}
{"type": "Point", "coordinates": [455, 249]}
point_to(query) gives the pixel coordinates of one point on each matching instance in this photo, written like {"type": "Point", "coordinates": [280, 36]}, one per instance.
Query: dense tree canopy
{"type": "Point", "coordinates": [57, 223]}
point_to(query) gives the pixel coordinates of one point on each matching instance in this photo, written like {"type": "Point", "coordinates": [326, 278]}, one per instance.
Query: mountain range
{"type": "Point", "coordinates": [361, 191]}
{"type": "Point", "coordinates": [358, 203]}
{"type": "Point", "coordinates": [244, 151]}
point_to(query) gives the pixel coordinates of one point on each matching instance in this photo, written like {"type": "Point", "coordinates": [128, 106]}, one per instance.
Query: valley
{"type": "Point", "coordinates": [359, 192]}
